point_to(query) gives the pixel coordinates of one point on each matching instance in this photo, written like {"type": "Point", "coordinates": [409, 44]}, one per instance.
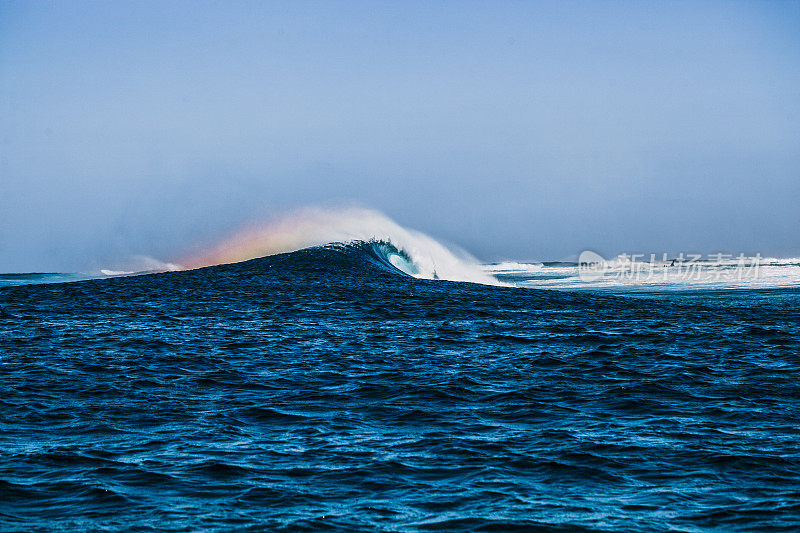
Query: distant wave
{"type": "Point", "coordinates": [11, 279]}
{"type": "Point", "coordinates": [409, 251]}
{"type": "Point", "coordinates": [138, 264]}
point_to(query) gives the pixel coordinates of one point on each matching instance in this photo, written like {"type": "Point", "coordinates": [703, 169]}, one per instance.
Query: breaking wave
{"type": "Point", "coordinates": [406, 250]}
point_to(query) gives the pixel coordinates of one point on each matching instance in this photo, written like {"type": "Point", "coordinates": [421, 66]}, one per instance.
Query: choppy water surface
{"type": "Point", "coordinates": [325, 389]}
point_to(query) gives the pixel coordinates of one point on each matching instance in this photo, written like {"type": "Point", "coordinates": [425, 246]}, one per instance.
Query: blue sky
{"type": "Point", "coordinates": [529, 130]}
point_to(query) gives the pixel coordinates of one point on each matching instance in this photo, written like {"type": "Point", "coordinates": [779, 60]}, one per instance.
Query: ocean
{"type": "Point", "coordinates": [355, 387]}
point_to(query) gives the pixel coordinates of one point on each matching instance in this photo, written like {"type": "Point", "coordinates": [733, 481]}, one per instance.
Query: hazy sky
{"type": "Point", "coordinates": [528, 130]}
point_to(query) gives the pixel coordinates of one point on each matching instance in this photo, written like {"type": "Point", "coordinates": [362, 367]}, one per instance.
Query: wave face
{"type": "Point", "coordinates": [331, 388]}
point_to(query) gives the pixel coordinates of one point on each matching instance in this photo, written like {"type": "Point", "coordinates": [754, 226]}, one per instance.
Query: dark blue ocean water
{"type": "Point", "coordinates": [324, 390]}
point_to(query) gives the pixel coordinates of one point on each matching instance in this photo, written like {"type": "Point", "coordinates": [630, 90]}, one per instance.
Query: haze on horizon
{"type": "Point", "coordinates": [514, 130]}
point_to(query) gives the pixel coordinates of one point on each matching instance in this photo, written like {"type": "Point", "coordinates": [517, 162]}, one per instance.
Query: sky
{"type": "Point", "coordinates": [516, 130]}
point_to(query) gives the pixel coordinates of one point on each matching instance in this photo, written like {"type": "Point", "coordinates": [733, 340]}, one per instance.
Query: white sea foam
{"type": "Point", "coordinates": [622, 274]}
{"type": "Point", "coordinates": [513, 266]}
